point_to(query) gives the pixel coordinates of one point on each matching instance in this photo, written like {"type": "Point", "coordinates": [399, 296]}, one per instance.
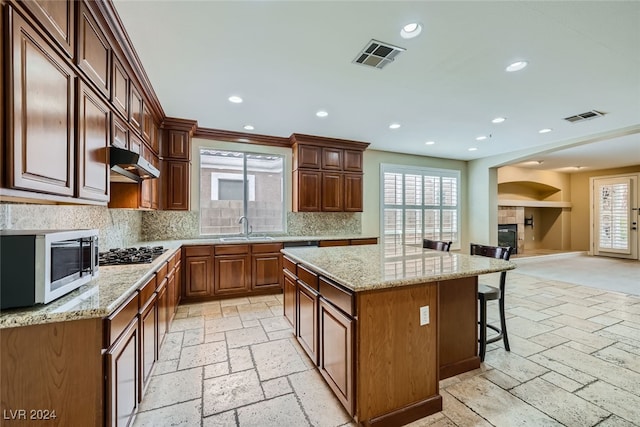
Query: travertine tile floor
{"type": "Point", "coordinates": [574, 361]}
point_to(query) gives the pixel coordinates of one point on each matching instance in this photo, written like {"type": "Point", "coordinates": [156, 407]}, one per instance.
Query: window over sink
{"type": "Point", "coordinates": [419, 203]}
{"type": "Point", "coordinates": [234, 184]}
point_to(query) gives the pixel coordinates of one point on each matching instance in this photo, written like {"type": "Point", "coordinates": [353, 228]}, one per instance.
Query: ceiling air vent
{"type": "Point", "coordinates": [593, 114]}
{"type": "Point", "coordinates": [377, 54]}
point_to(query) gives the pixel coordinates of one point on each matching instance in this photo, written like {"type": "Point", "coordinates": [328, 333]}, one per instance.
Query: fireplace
{"type": "Point", "coordinates": [508, 236]}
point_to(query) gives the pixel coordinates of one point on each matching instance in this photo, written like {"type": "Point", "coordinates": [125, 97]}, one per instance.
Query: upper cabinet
{"type": "Point", "coordinates": [327, 174]}
{"type": "Point", "coordinates": [94, 51]}
{"type": "Point", "coordinates": [120, 88]}
{"type": "Point", "coordinates": [57, 17]}
{"type": "Point", "coordinates": [135, 108]}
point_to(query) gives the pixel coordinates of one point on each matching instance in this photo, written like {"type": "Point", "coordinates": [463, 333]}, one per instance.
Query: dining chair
{"type": "Point", "coordinates": [436, 245]}
{"type": "Point", "coordinates": [488, 293]}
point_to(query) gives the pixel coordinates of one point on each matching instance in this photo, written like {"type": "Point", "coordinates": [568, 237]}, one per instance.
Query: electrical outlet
{"type": "Point", "coordinates": [424, 315]}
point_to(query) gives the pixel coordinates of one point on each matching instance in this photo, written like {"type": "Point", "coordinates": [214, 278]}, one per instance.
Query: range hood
{"type": "Point", "coordinates": [129, 166]}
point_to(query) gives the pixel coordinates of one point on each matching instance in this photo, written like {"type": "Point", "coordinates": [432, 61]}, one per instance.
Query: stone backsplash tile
{"type": "Point", "coordinates": [323, 223]}
{"type": "Point", "coordinates": [169, 225]}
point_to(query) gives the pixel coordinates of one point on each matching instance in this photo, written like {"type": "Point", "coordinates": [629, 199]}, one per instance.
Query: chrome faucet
{"type": "Point", "coordinates": [247, 227]}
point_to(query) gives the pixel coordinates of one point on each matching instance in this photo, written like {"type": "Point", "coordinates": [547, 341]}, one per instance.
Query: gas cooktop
{"type": "Point", "coordinates": [122, 256]}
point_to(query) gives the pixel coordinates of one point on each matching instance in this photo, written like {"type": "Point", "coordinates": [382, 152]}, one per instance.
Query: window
{"type": "Point", "coordinates": [235, 184]}
{"type": "Point", "coordinates": [419, 203]}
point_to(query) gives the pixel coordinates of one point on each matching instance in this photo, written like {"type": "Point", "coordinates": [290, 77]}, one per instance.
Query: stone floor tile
{"type": "Point", "coordinates": [276, 358]}
{"type": "Point", "coordinates": [561, 381]}
{"type": "Point", "coordinates": [222, 324]}
{"type": "Point", "coordinates": [435, 420]}
{"type": "Point", "coordinates": [276, 387]}
{"type": "Point", "coordinates": [230, 391]}
{"type": "Point", "coordinates": [279, 335]}
{"type": "Point", "coordinates": [613, 374]}
{"type": "Point", "coordinates": [277, 310]}
{"type": "Point", "coordinates": [613, 399]}
{"type": "Point", "coordinates": [182, 414]}
{"type": "Point", "coordinates": [497, 406]}
{"type": "Point", "coordinates": [225, 419]}
{"type": "Point", "coordinates": [319, 403]}
{"type": "Point", "coordinates": [515, 366]}
{"type": "Point", "coordinates": [234, 301]}
{"type": "Point", "coordinates": [254, 311]}
{"type": "Point", "coordinates": [240, 359]}
{"type": "Point", "coordinates": [216, 370]}
{"type": "Point", "coordinates": [526, 328]}
{"type": "Point", "coordinates": [246, 336]}
{"type": "Point", "coordinates": [171, 346]}
{"type": "Point", "coordinates": [187, 323]}
{"type": "Point", "coordinates": [583, 337]}
{"type": "Point", "coordinates": [181, 315]}
{"type": "Point", "coordinates": [250, 323]}
{"type": "Point", "coordinates": [277, 412]}
{"type": "Point", "coordinates": [528, 313]}
{"type": "Point", "coordinates": [559, 404]}
{"type": "Point", "coordinates": [501, 379]}
{"type": "Point", "coordinates": [577, 310]}
{"type": "Point", "coordinates": [620, 357]}
{"type": "Point", "coordinates": [264, 298]}
{"type": "Point", "coordinates": [277, 323]}
{"type": "Point", "coordinates": [229, 311]}
{"type": "Point", "coordinates": [172, 388]}
{"type": "Point", "coordinates": [616, 421]}
{"type": "Point", "coordinates": [628, 348]}
{"type": "Point", "coordinates": [203, 354]}
{"type": "Point", "coordinates": [575, 322]}
{"type": "Point", "coordinates": [459, 413]}
{"type": "Point", "coordinates": [581, 347]}
{"type": "Point", "coordinates": [165, 366]}
{"type": "Point", "coordinates": [624, 331]}
{"type": "Point", "coordinates": [565, 369]}
{"type": "Point", "coordinates": [216, 336]}
{"type": "Point", "coordinates": [193, 337]}
{"type": "Point", "coordinates": [548, 340]}
{"type": "Point", "coordinates": [524, 347]}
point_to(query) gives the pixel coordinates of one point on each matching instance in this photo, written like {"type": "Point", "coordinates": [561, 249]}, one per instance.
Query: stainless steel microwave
{"type": "Point", "coordinates": [38, 266]}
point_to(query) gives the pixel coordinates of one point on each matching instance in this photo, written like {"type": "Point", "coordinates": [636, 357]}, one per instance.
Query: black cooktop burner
{"type": "Point", "coordinates": [121, 256]}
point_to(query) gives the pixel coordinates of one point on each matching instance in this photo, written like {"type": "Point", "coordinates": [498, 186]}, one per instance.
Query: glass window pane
{"type": "Point", "coordinates": [265, 208]}
{"type": "Point", "coordinates": [392, 189]}
{"type": "Point", "coordinates": [449, 191]}
{"type": "Point", "coordinates": [413, 226]}
{"type": "Point", "coordinates": [432, 191]}
{"type": "Point", "coordinates": [413, 190]}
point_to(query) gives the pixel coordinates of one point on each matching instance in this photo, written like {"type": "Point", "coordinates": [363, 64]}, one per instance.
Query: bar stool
{"type": "Point", "coordinates": [436, 245]}
{"type": "Point", "coordinates": [488, 293]}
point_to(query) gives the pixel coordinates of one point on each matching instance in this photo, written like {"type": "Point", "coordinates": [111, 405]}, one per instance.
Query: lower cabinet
{"type": "Point", "coordinates": [232, 267]}
{"type": "Point", "coordinates": [161, 307]}
{"type": "Point", "coordinates": [266, 266]}
{"type": "Point", "coordinates": [148, 341]}
{"type": "Point", "coordinates": [290, 297]}
{"type": "Point", "coordinates": [122, 377]}
{"type": "Point", "coordinates": [307, 332]}
{"type": "Point", "coordinates": [198, 271]}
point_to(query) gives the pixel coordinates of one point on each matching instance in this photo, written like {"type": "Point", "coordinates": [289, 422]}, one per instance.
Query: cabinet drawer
{"type": "Point", "coordinates": [146, 291]}
{"type": "Point", "coordinates": [198, 250]}
{"type": "Point", "coordinates": [171, 264]}
{"type": "Point", "coordinates": [231, 249]}
{"type": "Point", "coordinates": [177, 258]}
{"type": "Point", "coordinates": [372, 241]}
{"type": "Point", "coordinates": [289, 265]}
{"type": "Point", "coordinates": [337, 296]}
{"type": "Point", "coordinates": [326, 243]}
{"type": "Point", "coordinates": [308, 277]}
{"type": "Point", "coordinates": [258, 248]}
{"type": "Point", "coordinates": [117, 322]}
{"type": "Point", "coordinates": [162, 273]}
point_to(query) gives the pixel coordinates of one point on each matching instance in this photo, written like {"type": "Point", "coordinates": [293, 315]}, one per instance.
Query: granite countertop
{"type": "Point", "coordinates": [370, 267]}
{"type": "Point", "coordinates": [115, 284]}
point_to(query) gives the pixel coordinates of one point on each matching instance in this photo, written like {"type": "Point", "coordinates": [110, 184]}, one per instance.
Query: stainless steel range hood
{"type": "Point", "coordinates": [129, 166]}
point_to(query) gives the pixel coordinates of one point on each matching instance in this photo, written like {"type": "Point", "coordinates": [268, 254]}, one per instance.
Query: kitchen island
{"type": "Point", "coordinates": [385, 323]}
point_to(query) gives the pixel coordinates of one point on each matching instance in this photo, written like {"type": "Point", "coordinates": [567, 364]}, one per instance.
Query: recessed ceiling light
{"type": "Point", "coordinates": [430, 142]}
{"type": "Point", "coordinates": [481, 138]}
{"type": "Point", "coordinates": [248, 127]}
{"type": "Point", "coordinates": [498, 120]}
{"type": "Point", "coordinates": [540, 162]}
{"type": "Point", "coordinates": [322, 113]}
{"type": "Point", "coordinates": [394, 125]}
{"type": "Point", "coordinates": [516, 66]}
{"type": "Point", "coordinates": [411, 30]}
{"type": "Point", "coordinates": [473, 149]}
{"type": "Point", "coordinates": [545, 130]}
{"type": "Point", "coordinates": [235, 99]}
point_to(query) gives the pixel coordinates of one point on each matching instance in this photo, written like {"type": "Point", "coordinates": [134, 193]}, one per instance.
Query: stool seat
{"type": "Point", "coordinates": [488, 293]}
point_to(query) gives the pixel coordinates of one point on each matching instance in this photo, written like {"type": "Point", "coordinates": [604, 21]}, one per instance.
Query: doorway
{"type": "Point", "coordinates": [614, 216]}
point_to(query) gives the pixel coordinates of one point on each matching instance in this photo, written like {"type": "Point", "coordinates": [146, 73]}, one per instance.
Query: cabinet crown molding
{"type": "Point", "coordinates": [323, 141]}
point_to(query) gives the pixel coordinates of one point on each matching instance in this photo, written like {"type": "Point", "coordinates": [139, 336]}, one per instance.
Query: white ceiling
{"type": "Point", "coordinates": [289, 59]}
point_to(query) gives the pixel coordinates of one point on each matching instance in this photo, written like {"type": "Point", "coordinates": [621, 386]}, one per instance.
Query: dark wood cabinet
{"type": "Point", "coordinates": [232, 269]}
{"type": "Point", "coordinates": [353, 194]}
{"type": "Point", "coordinates": [336, 352]}
{"type": "Point", "coordinates": [266, 266]}
{"type": "Point", "coordinates": [332, 158]}
{"type": "Point", "coordinates": [94, 138]}
{"type": "Point", "coordinates": [307, 320]}
{"type": "Point", "coordinates": [135, 143]}
{"type": "Point", "coordinates": [176, 145]}
{"type": "Point", "coordinates": [94, 52]}
{"type": "Point", "coordinates": [119, 132]}
{"type": "Point", "coordinates": [290, 291]}
{"type": "Point", "coordinates": [57, 17]}
{"type": "Point", "coordinates": [332, 194]}
{"type": "Point", "coordinates": [353, 160]}
{"type": "Point", "coordinates": [120, 88]}
{"type": "Point", "coordinates": [149, 187]}
{"type": "Point", "coordinates": [147, 124]}
{"type": "Point", "coordinates": [307, 156]}
{"type": "Point", "coordinates": [41, 147]}
{"type": "Point", "coordinates": [135, 108]}
{"type": "Point", "coordinates": [122, 377]}
{"type": "Point", "coordinates": [198, 271]}
{"type": "Point", "coordinates": [307, 185]}
{"type": "Point", "coordinates": [175, 183]}
{"type": "Point", "coordinates": [148, 341]}
{"type": "Point", "coordinates": [161, 307]}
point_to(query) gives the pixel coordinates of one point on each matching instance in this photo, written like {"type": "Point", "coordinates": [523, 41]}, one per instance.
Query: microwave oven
{"type": "Point", "coordinates": [38, 266]}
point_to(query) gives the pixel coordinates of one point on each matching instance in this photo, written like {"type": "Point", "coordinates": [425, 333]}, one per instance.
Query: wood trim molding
{"type": "Point", "coordinates": [247, 138]}
{"type": "Point", "coordinates": [322, 141]}
{"type": "Point", "coordinates": [175, 123]}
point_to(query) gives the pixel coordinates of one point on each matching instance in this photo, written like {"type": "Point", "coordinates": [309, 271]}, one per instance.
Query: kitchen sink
{"type": "Point", "coordinates": [244, 238]}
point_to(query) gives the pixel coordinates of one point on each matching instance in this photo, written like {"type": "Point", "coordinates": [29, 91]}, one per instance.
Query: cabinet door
{"type": "Point", "coordinates": [332, 159]}
{"type": "Point", "coordinates": [336, 353]}
{"type": "Point", "coordinates": [306, 191]}
{"type": "Point", "coordinates": [232, 274]}
{"type": "Point", "coordinates": [57, 18]}
{"type": "Point", "coordinates": [161, 307]}
{"type": "Point", "coordinates": [353, 160]}
{"type": "Point", "coordinates": [307, 157]}
{"type": "Point", "coordinates": [266, 271]}
{"type": "Point", "coordinates": [148, 342]}
{"type": "Point", "coordinates": [176, 145]}
{"type": "Point", "coordinates": [94, 138]}
{"type": "Point", "coordinates": [135, 108]}
{"type": "Point", "coordinates": [94, 52]}
{"type": "Point", "coordinates": [145, 185]}
{"type": "Point", "coordinates": [289, 296]}
{"type": "Point", "coordinates": [198, 276]}
{"type": "Point", "coordinates": [119, 132]}
{"type": "Point", "coordinates": [175, 182]}
{"type": "Point", "coordinates": [155, 184]}
{"type": "Point", "coordinates": [41, 148]}
{"type": "Point", "coordinates": [332, 198]}
{"type": "Point", "coordinates": [178, 287]}
{"type": "Point", "coordinates": [135, 143]}
{"type": "Point", "coordinates": [147, 124]}
{"type": "Point", "coordinates": [307, 318]}
{"type": "Point", "coordinates": [120, 88]}
{"type": "Point", "coordinates": [353, 192]}
{"type": "Point", "coordinates": [171, 295]}
{"type": "Point", "coordinates": [122, 377]}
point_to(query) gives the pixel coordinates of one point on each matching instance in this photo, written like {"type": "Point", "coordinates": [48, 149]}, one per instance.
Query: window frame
{"type": "Point", "coordinates": [423, 171]}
